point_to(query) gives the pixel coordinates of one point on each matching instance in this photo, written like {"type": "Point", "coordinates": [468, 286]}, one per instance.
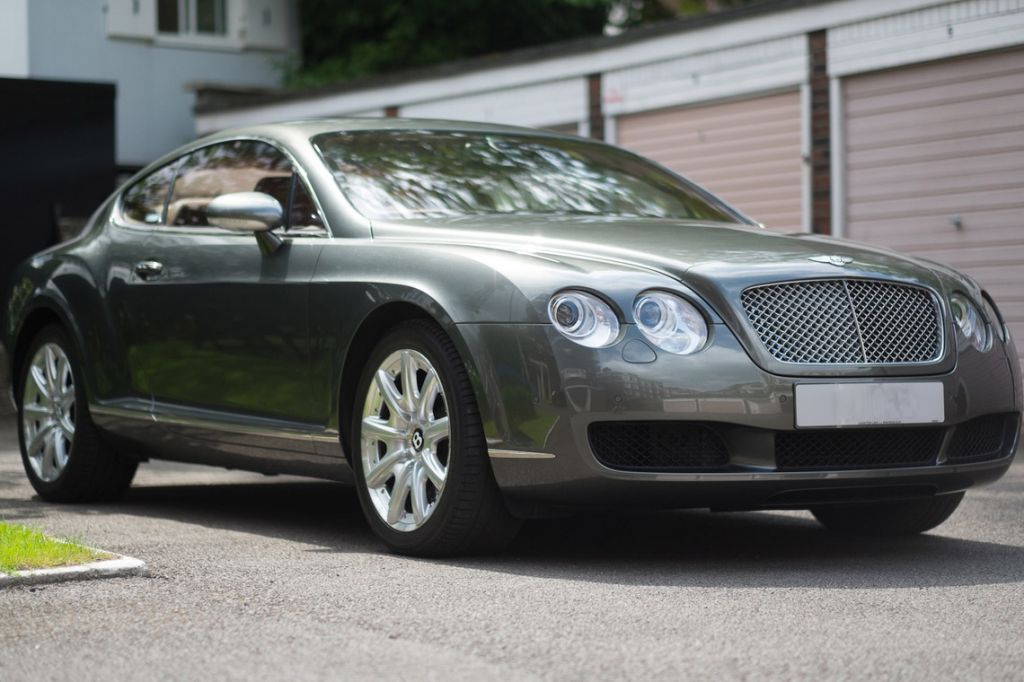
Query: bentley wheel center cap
{"type": "Point", "coordinates": [417, 440]}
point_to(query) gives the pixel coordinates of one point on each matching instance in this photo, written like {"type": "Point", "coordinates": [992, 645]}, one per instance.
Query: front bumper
{"type": "Point", "coordinates": [540, 394]}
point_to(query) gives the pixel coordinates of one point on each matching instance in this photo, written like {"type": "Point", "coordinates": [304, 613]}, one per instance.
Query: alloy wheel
{"type": "Point", "coordinates": [405, 440]}
{"type": "Point", "coordinates": [48, 412]}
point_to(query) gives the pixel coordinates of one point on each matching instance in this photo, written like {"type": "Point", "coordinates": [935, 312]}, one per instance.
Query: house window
{"type": "Point", "coordinates": [195, 17]}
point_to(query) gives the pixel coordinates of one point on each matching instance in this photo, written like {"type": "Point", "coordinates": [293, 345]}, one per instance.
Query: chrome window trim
{"type": "Point", "coordinates": [118, 217]}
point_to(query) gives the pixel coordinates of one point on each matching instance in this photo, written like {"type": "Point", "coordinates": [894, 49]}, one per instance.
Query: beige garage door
{"type": "Point", "coordinates": [747, 152]}
{"type": "Point", "coordinates": [935, 167]}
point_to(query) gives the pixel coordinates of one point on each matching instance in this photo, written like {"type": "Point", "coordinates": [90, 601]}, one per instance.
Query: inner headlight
{"type": "Point", "coordinates": [584, 318]}
{"type": "Point", "coordinates": [971, 323]}
{"type": "Point", "coordinates": [669, 322]}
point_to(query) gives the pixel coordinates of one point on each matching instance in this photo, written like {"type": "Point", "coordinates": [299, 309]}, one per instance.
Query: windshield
{"type": "Point", "coordinates": [400, 174]}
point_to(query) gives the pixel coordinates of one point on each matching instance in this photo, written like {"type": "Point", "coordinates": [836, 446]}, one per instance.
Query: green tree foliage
{"type": "Point", "coordinates": [346, 40]}
{"type": "Point", "coordinates": [630, 13]}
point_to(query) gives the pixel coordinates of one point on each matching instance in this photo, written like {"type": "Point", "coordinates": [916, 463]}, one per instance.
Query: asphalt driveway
{"type": "Point", "coordinates": [280, 578]}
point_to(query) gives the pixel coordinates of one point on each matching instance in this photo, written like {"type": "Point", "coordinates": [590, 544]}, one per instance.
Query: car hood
{"type": "Point", "coordinates": [731, 255]}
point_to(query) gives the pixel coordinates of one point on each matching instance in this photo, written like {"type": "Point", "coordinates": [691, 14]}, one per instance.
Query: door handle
{"type": "Point", "coordinates": [149, 269]}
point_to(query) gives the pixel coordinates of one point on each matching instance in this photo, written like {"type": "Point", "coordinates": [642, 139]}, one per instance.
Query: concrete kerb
{"type": "Point", "coordinates": [117, 567]}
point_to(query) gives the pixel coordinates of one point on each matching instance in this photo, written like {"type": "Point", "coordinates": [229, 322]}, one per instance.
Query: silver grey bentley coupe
{"type": "Point", "coordinates": [476, 324]}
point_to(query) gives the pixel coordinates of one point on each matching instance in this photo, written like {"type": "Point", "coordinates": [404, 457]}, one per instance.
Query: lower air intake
{"type": "Point", "coordinates": [857, 448]}
{"type": "Point", "coordinates": [988, 437]}
{"type": "Point", "coordinates": [657, 446]}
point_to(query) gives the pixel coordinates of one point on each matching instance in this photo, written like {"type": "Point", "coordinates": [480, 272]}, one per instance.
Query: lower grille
{"type": "Point", "coordinates": [988, 437]}
{"type": "Point", "coordinates": [857, 448]}
{"type": "Point", "coordinates": [660, 446]}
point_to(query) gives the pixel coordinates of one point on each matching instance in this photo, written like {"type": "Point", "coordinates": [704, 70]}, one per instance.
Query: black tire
{"type": "Point", "coordinates": [470, 515]}
{"type": "Point", "coordinates": [94, 472]}
{"type": "Point", "coordinates": [888, 519]}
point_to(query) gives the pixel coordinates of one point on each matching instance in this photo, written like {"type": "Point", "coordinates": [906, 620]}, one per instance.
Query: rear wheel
{"type": "Point", "coordinates": [422, 470]}
{"type": "Point", "coordinates": [64, 457]}
{"type": "Point", "coordinates": [907, 517]}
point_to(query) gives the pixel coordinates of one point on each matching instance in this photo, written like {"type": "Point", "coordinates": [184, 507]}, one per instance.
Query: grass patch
{"type": "Point", "coordinates": [23, 548]}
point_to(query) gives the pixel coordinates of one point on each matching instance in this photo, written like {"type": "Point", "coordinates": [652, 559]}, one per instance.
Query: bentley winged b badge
{"type": "Point", "coordinates": [838, 261]}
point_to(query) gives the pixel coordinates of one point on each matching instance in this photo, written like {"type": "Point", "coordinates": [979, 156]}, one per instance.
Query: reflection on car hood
{"type": "Point", "coordinates": [704, 250]}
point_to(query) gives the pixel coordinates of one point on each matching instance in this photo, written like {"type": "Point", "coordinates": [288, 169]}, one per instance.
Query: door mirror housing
{"type": "Point", "coordinates": [245, 212]}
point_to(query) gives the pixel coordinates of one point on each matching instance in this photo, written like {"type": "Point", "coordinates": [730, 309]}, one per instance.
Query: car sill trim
{"type": "Point", "coordinates": [519, 454]}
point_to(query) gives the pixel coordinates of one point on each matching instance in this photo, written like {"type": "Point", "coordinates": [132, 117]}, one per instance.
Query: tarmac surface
{"type": "Point", "coordinates": [281, 578]}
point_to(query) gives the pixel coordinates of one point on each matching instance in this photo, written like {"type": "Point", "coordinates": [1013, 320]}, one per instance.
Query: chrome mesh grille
{"type": "Point", "coordinates": [845, 321]}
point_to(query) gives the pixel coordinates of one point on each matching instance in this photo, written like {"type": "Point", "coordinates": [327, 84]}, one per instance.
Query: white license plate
{"type": "Point", "coordinates": [919, 402]}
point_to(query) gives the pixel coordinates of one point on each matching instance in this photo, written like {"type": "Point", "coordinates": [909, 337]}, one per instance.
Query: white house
{"type": "Point", "coordinates": [152, 50]}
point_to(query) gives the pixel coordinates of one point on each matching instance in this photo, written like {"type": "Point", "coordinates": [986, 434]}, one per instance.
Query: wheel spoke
{"type": "Point", "coordinates": [60, 450]}
{"type": "Point", "coordinates": [35, 410]}
{"type": "Point", "coordinates": [51, 370]}
{"type": "Point", "coordinates": [39, 438]}
{"type": "Point", "coordinates": [435, 431]}
{"type": "Point", "coordinates": [39, 379]}
{"type": "Point", "coordinates": [410, 391]}
{"type": "Point", "coordinates": [377, 428]}
{"type": "Point", "coordinates": [434, 469]}
{"type": "Point", "coordinates": [392, 398]}
{"type": "Point", "coordinates": [382, 470]}
{"type": "Point", "coordinates": [428, 394]}
{"type": "Point", "coordinates": [66, 427]}
{"type": "Point", "coordinates": [403, 482]}
{"type": "Point", "coordinates": [419, 494]}
{"type": "Point", "coordinates": [60, 377]}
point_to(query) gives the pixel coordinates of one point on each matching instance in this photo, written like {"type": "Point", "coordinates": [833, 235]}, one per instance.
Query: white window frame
{"type": "Point", "coordinates": [188, 34]}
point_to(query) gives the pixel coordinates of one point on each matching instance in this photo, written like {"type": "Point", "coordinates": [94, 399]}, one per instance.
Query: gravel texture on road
{"type": "Point", "coordinates": [280, 578]}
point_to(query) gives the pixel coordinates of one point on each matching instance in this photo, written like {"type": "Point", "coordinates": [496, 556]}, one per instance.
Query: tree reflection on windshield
{"type": "Point", "coordinates": [396, 174]}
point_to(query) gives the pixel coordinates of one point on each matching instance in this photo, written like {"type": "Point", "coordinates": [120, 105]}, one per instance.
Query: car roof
{"type": "Point", "coordinates": [295, 133]}
{"type": "Point", "coordinates": [312, 127]}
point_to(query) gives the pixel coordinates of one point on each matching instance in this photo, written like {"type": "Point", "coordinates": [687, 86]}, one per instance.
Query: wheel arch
{"type": "Point", "coordinates": [369, 331]}
{"type": "Point", "coordinates": [40, 315]}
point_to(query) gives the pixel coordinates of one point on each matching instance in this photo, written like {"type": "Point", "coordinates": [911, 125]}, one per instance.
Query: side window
{"type": "Point", "coordinates": [144, 201]}
{"type": "Point", "coordinates": [303, 214]}
{"type": "Point", "coordinates": [238, 166]}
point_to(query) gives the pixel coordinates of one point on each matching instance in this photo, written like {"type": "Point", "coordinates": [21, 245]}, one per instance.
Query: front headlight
{"type": "Point", "coordinates": [669, 322]}
{"type": "Point", "coordinates": [971, 323]}
{"type": "Point", "coordinates": [584, 318]}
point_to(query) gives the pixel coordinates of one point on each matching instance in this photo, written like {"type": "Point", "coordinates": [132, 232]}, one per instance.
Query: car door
{"type": "Point", "coordinates": [120, 279]}
{"type": "Point", "coordinates": [225, 354]}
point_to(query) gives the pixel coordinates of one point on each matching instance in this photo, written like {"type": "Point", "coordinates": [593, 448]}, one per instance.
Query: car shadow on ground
{"type": "Point", "coordinates": [684, 548]}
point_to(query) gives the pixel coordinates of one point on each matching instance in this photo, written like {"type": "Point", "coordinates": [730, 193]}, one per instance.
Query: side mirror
{"type": "Point", "coordinates": [254, 212]}
{"type": "Point", "coordinates": [245, 212]}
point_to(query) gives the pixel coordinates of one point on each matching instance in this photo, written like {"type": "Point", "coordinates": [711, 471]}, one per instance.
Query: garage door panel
{"type": "Point", "coordinates": [992, 223]}
{"type": "Point", "coordinates": [727, 150]}
{"type": "Point", "coordinates": [948, 240]}
{"type": "Point", "coordinates": [935, 73]}
{"type": "Point", "coordinates": [927, 143]}
{"type": "Point", "coordinates": [780, 181]}
{"type": "Point", "coordinates": [757, 131]}
{"type": "Point", "coordinates": [927, 205]}
{"type": "Point", "coordinates": [747, 152]}
{"type": "Point", "coordinates": [936, 129]}
{"type": "Point", "coordinates": [977, 256]}
{"type": "Point", "coordinates": [976, 170]}
{"type": "Point", "coordinates": [946, 186]}
{"type": "Point", "coordinates": [910, 117]}
{"type": "Point", "coordinates": [731, 114]}
{"type": "Point", "coordinates": [961, 147]}
{"type": "Point", "coordinates": [965, 90]}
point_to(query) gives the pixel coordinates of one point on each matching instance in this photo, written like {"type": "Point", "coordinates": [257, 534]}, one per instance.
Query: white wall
{"type": "Point", "coordinates": [68, 40]}
{"type": "Point", "coordinates": [13, 38]}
